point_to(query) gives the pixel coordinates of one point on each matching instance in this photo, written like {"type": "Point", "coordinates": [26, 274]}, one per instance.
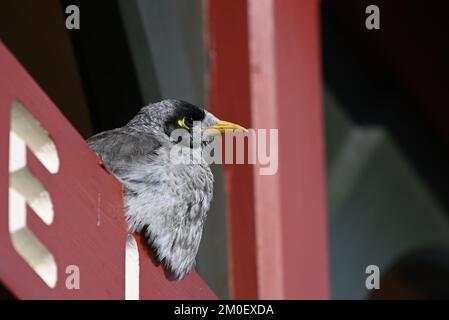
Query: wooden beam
{"type": "Point", "coordinates": [229, 98]}
{"type": "Point", "coordinates": [278, 224]}
{"type": "Point", "coordinates": [87, 229]}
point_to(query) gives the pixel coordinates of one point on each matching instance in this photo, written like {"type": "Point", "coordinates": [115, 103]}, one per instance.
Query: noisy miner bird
{"type": "Point", "coordinates": [166, 199]}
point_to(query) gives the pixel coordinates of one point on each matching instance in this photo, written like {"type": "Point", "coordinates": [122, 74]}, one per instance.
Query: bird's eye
{"type": "Point", "coordinates": [186, 122]}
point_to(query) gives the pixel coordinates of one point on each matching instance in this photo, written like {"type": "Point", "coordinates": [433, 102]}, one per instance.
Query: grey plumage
{"type": "Point", "coordinates": [166, 201]}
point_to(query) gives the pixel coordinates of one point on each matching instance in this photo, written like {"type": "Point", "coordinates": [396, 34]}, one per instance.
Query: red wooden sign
{"type": "Point", "coordinates": [62, 232]}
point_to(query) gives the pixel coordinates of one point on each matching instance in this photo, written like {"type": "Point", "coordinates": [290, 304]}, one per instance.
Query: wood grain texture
{"type": "Point", "coordinates": [88, 229]}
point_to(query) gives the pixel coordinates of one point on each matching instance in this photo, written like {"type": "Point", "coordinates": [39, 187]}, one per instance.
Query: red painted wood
{"type": "Point", "coordinates": [154, 285]}
{"type": "Point", "coordinates": [280, 252]}
{"type": "Point", "coordinates": [88, 229]}
{"type": "Point", "coordinates": [302, 176]}
{"type": "Point", "coordinates": [230, 99]}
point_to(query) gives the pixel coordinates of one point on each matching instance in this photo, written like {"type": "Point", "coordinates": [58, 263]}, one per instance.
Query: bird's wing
{"type": "Point", "coordinates": [117, 147]}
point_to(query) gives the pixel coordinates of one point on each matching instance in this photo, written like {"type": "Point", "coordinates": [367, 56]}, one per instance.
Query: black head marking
{"type": "Point", "coordinates": [181, 110]}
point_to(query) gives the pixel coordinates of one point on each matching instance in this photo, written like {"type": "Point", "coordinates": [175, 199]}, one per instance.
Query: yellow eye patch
{"type": "Point", "coordinates": [182, 123]}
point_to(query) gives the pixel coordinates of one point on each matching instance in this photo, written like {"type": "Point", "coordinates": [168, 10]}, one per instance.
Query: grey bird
{"type": "Point", "coordinates": [166, 197]}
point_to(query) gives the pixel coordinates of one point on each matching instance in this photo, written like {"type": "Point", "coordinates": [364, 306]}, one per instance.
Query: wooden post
{"type": "Point", "coordinates": [265, 73]}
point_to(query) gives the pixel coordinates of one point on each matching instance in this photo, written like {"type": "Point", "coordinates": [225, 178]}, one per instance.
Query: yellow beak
{"type": "Point", "coordinates": [222, 126]}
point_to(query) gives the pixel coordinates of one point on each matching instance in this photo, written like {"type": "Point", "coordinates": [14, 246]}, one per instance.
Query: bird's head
{"type": "Point", "coordinates": [182, 122]}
